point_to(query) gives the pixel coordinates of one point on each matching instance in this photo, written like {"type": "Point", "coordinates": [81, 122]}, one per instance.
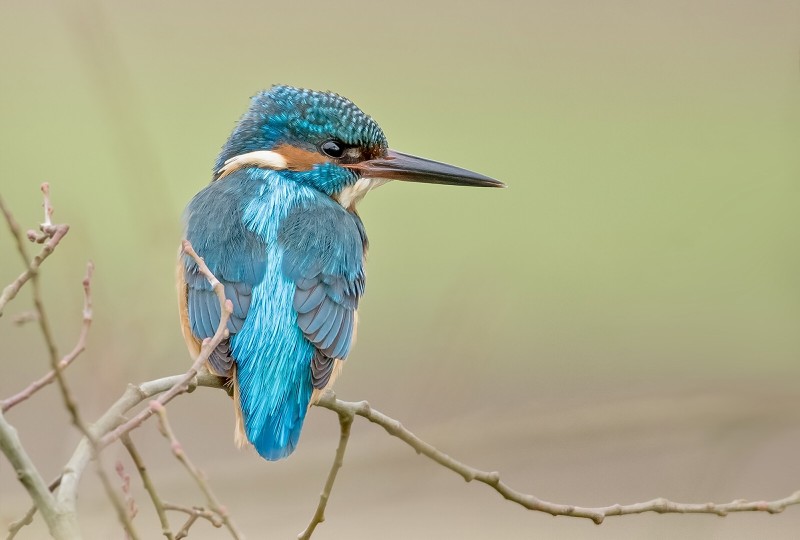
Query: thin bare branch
{"type": "Point", "coordinates": [80, 346]}
{"type": "Point", "coordinates": [226, 308]}
{"type": "Point", "coordinates": [57, 232]}
{"type": "Point", "coordinates": [194, 513]}
{"type": "Point", "coordinates": [492, 479]}
{"type": "Point", "coordinates": [345, 423]}
{"type": "Point", "coordinates": [187, 525]}
{"type": "Point", "coordinates": [16, 526]}
{"type": "Point", "coordinates": [16, 231]}
{"type": "Point", "coordinates": [27, 519]}
{"type": "Point", "coordinates": [177, 449]}
{"type": "Point", "coordinates": [149, 486]}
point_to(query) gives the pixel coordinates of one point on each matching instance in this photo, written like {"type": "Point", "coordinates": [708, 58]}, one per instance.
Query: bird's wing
{"type": "Point", "coordinates": [323, 254]}
{"type": "Point", "coordinates": [236, 257]}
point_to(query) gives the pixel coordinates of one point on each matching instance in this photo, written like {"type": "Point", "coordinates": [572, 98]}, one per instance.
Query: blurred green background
{"type": "Point", "coordinates": [620, 324]}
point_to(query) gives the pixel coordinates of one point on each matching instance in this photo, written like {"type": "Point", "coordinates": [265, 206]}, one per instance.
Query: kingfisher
{"type": "Point", "coordinates": [279, 229]}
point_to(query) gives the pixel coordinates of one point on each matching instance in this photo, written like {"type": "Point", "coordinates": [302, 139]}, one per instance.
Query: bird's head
{"type": "Point", "coordinates": [325, 141]}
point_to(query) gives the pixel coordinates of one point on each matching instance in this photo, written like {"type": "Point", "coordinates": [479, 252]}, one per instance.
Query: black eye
{"type": "Point", "coordinates": [334, 149]}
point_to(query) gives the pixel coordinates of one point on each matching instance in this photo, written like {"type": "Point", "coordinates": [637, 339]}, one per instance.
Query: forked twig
{"type": "Point", "coordinates": [177, 449]}
{"type": "Point", "coordinates": [194, 513]}
{"type": "Point", "coordinates": [55, 235]}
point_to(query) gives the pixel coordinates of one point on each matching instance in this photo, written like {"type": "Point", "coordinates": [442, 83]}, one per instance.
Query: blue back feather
{"type": "Point", "coordinates": [293, 259]}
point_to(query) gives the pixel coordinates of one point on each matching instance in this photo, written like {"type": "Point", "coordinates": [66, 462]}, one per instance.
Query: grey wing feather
{"type": "Point", "coordinates": [235, 255]}
{"type": "Point", "coordinates": [323, 253]}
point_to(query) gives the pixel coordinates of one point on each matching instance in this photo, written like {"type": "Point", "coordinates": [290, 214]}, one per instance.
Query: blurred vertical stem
{"type": "Point", "coordinates": [140, 173]}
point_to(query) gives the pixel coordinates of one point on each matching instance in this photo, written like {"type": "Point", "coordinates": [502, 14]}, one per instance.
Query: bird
{"type": "Point", "coordinates": [278, 227]}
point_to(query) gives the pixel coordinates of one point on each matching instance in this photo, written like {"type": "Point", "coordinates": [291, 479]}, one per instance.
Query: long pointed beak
{"type": "Point", "coordinates": [399, 166]}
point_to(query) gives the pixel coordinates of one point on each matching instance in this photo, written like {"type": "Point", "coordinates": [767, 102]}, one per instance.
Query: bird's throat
{"type": "Point", "coordinates": [350, 195]}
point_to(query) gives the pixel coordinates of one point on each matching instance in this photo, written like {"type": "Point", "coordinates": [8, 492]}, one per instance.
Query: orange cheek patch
{"type": "Point", "coordinates": [298, 159]}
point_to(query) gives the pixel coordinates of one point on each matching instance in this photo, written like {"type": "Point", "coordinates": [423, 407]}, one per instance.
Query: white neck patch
{"type": "Point", "coordinates": [352, 194]}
